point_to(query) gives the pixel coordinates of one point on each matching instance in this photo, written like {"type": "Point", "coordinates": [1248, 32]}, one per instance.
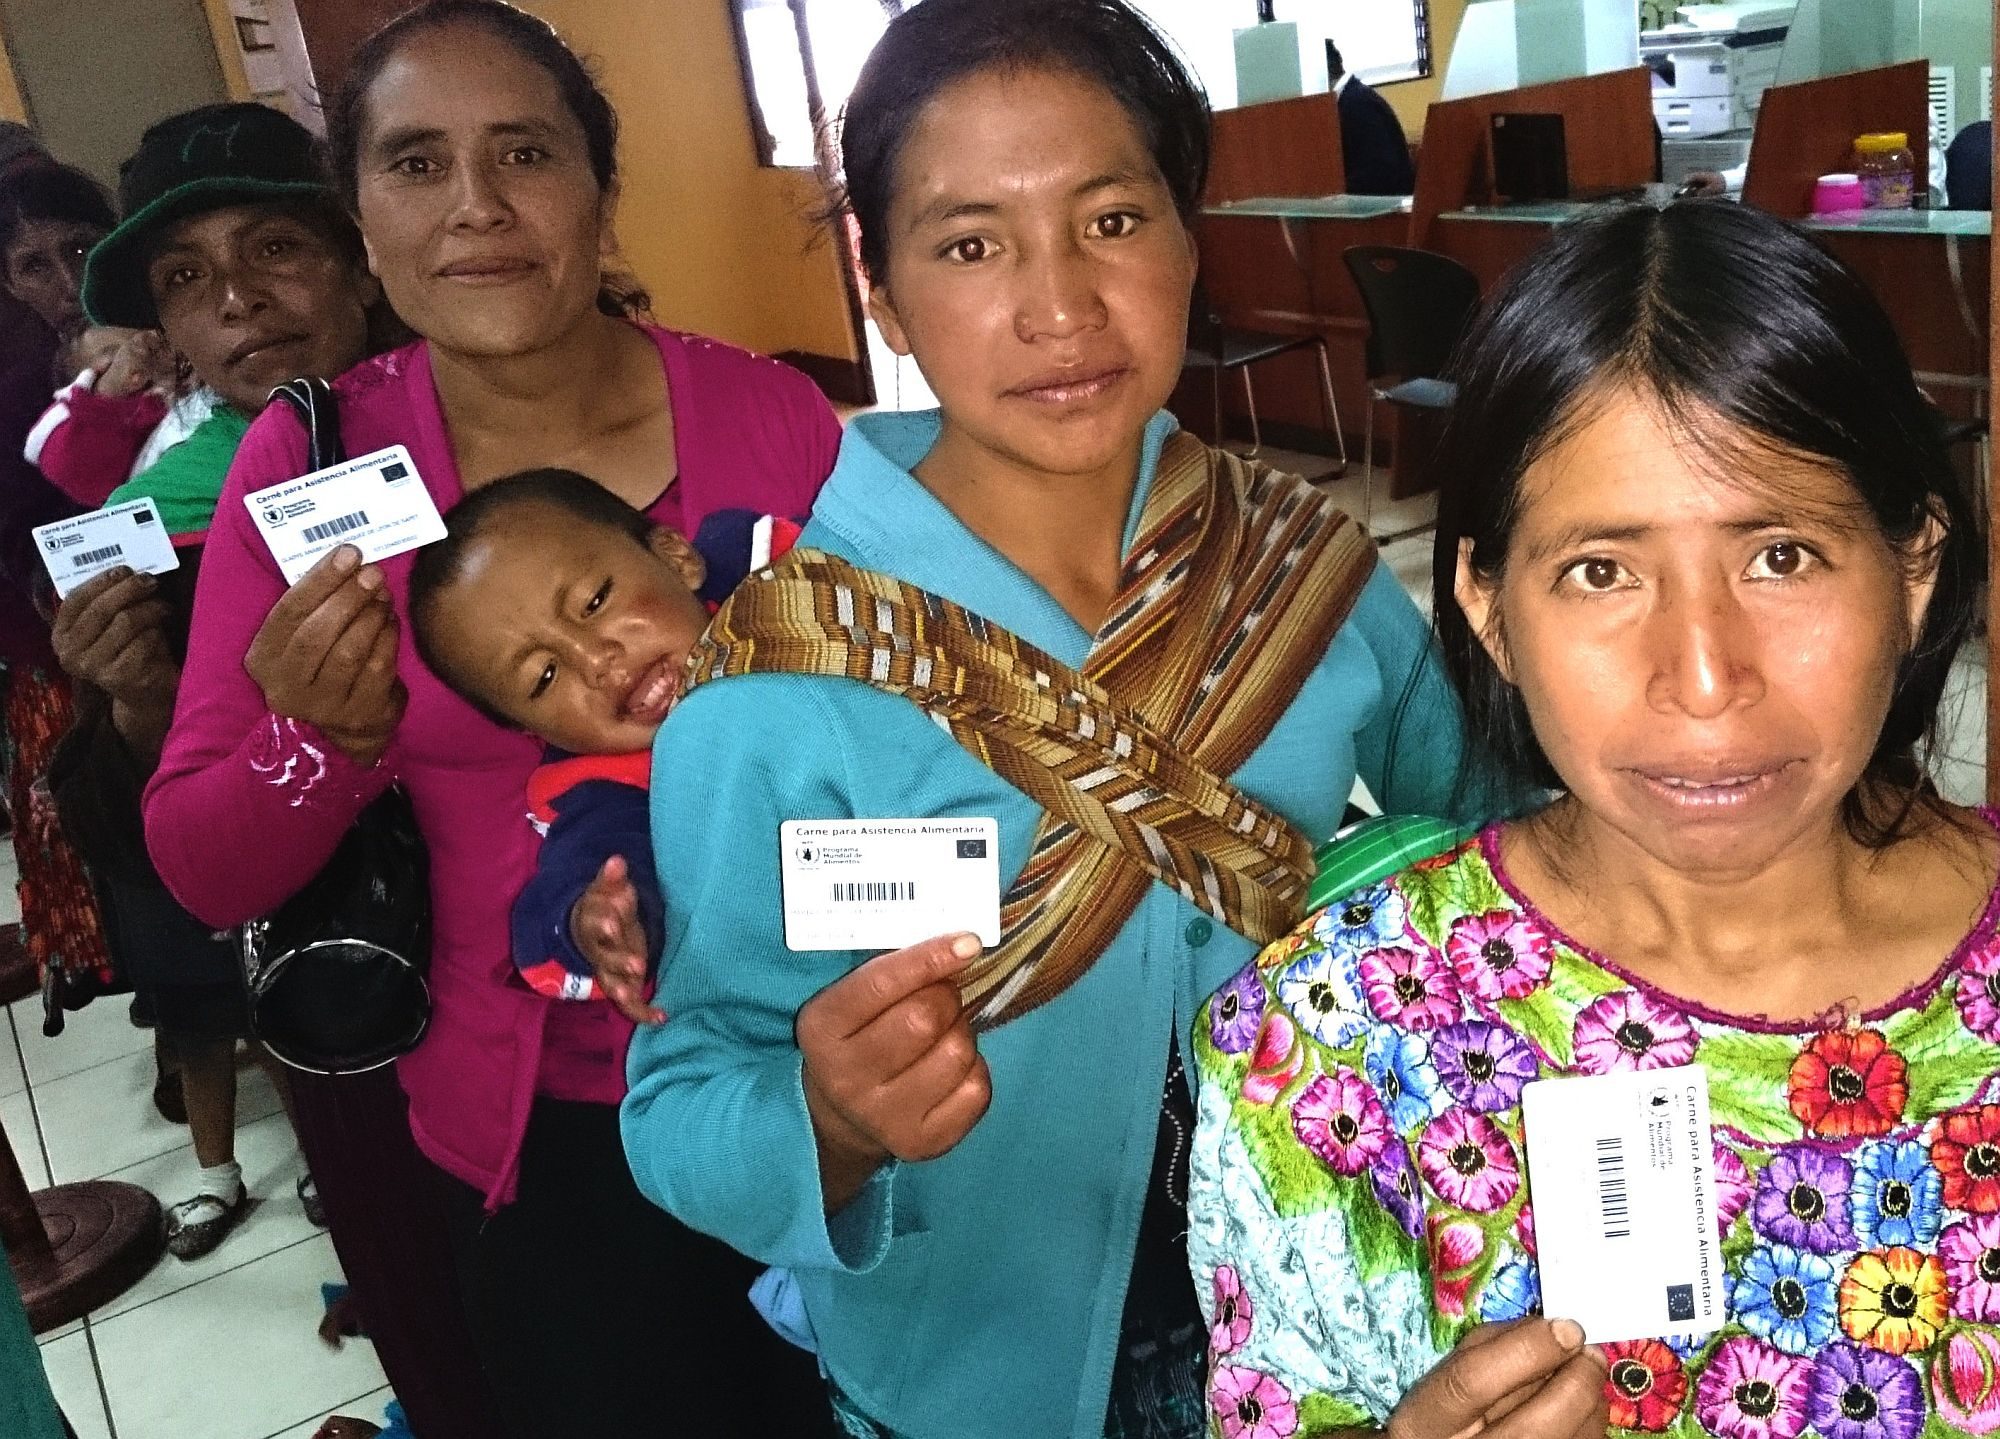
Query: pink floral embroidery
{"type": "Point", "coordinates": [1752, 1390]}
{"type": "Point", "coordinates": [1524, 1230]}
{"type": "Point", "coordinates": [1732, 1186]}
{"type": "Point", "coordinates": [1340, 1119]}
{"type": "Point", "coordinates": [1455, 1248]}
{"type": "Point", "coordinates": [1409, 987]}
{"type": "Point", "coordinates": [1466, 1158]}
{"type": "Point", "coordinates": [1978, 991]}
{"type": "Point", "coordinates": [1233, 1313]}
{"type": "Point", "coordinates": [1500, 955]}
{"type": "Point", "coordinates": [1251, 1405]}
{"type": "Point", "coordinates": [1277, 1060]}
{"type": "Point", "coordinates": [1971, 1254]}
{"type": "Point", "coordinates": [1628, 1031]}
{"type": "Point", "coordinates": [1965, 1382]}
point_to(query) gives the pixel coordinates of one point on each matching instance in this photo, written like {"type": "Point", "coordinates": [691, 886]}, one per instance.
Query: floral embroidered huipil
{"type": "Point", "coordinates": [1359, 1196]}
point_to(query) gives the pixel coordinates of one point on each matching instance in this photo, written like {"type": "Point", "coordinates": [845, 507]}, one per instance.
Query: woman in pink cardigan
{"type": "Point", "coordinates": [478, 155]}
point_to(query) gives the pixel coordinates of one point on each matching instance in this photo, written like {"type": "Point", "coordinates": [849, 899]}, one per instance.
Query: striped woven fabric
{"type": "Point", "coordinates": [1232, 590]}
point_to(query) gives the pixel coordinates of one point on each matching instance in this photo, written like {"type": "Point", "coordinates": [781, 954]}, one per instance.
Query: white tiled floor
{"type": "Point", "coordinates": [224, 1347]}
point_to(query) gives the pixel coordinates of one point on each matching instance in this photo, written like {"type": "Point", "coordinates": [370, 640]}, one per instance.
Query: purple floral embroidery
{"type": "Point", "coordinates": [1860, 1393]}
{"type": "Point", "coordinates": [1395, 1182]}
{"type": "Point", "coordinates": [1237, 1012]}
{"type": "Point", "coordinates": [1802, 1200]}
{"type": "Point", "coordinates": [1483, 1065]}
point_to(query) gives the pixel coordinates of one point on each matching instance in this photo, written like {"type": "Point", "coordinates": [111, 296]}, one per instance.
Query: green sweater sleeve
{"type": "Point", "coordinates": [715, 1122]}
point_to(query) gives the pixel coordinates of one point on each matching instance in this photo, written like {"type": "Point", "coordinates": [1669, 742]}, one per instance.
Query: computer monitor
{"type": "Point", "coordinates": [1530, 158]}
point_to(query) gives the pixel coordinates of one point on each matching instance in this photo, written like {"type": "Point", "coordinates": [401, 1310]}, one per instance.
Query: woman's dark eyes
{"type": "Point", "coordinates": [596, 601]}
{"type": "Point", "coordinates": [542, 682]}
{"type": "Point", "coordinates": [1782, 560]}
{"type": "Point", "coordinates": [413, 165]}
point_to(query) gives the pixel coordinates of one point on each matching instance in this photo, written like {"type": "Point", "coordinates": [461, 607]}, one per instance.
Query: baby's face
{"type": "Point", "coordinates": [574, 631]}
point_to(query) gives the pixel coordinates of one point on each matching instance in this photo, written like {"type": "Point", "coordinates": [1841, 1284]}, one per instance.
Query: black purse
{"type": "Point", "coordinates": [336, 974]}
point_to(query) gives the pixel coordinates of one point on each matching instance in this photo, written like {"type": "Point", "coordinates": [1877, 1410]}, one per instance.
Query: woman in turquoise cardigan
{"type": "Point", "coordinates": [974, 1167]}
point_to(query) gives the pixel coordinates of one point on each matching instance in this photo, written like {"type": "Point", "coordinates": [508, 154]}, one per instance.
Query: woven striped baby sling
{"type": "Point", "coordinates": [1231, 592]}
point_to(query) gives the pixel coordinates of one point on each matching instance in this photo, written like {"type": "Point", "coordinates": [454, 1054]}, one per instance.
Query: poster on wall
{"type": "Point", "coordinates": [272, 49]}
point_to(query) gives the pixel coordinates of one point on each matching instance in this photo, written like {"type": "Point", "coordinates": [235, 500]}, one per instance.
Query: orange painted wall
{"type": "Point", "coordinates": [723, 244]}
{"type": "Point", "coordinates": [1411, 99]}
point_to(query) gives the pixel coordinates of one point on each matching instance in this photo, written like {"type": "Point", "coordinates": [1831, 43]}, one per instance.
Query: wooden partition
{"type": "Point", "coordinates": [1607, 130]}
{"type": "Point", "coordinates": [1807, 130]}
{"type": "Point", "coordinates": [1287, 277]}
{"type": "Point", "coordinates": [1282, 147]}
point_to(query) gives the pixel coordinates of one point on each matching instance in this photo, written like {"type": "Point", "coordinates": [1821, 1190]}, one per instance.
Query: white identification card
{"type": "Point", "coordinates": [377, 503]}
{"type": "Point", "coordinates": [84, 546]}
{"type": "Point", "coordinates": [1621, 1168]}
{"type": "Point", "coordinates": [886, 883]}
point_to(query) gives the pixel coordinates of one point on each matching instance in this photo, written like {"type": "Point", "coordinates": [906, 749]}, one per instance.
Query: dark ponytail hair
{"type": "Point", "coordinates": [933, 45]}
{"type": "Point", "coordinates": [1739, 327]}
{"type": "Point", "coordinates": [537, 42]}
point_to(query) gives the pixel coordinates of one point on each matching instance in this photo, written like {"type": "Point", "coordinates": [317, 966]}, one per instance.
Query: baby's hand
{"type": "Point", "coordinates": [605, 925]}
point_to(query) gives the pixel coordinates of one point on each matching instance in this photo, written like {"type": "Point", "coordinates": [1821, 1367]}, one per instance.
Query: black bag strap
{"type": "Point", "coordinates": [319, 412]}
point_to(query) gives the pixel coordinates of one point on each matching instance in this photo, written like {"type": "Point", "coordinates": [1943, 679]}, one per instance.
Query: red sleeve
{"type": "Point", "coordinates": [85, 443]}
{"type": "Point", "coordinates": [246, 806]}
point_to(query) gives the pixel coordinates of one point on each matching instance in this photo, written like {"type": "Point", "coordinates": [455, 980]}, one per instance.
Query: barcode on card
{"type": "Point", "coordinates": [96, 557]}
{"type": "Point", "coordinates": [888, 892]}
{"type": "Point", "coordinates": [1613, 1203]}
{"type": "Point", "coordinates": [346, 524]}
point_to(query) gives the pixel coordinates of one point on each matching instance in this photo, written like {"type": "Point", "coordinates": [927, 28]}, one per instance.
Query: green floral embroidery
{"type": "Point", "coordinates": [1367, 1071]}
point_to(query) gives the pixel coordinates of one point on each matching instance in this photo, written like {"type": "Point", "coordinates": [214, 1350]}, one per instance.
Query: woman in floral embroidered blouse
{"type": "Point", "coordinates": [1712, 567]}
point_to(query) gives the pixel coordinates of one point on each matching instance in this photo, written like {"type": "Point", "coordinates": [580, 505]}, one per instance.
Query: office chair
{"type": "Point", "coordinates": [1216, 347]}
{"type": "Point", "coordinates": [1418, 305]}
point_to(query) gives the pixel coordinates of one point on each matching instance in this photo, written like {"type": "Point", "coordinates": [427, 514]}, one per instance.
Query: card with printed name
{"type": "Point", "coordinates": [376, 503]}
{"type": "Point", "coordinates": [1621, 1169]}
{"type": "Point", "coordinates": [84, 546]}
{"type": "Point", "coordinates": [887, 883]}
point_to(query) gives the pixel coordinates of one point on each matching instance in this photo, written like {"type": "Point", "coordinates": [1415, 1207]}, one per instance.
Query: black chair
{"type": "Point", "coordinates": [1979, 434]}
{"type": "Point", "coordinates": [1418, 304]}
{"type": "Point", "coordinates": [1216, 347]}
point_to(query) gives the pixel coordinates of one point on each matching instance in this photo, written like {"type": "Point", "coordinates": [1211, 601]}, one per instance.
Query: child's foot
{"type": "Point", "coordinates": [195, 1226]}
{"type": "Point", "coordinates": [309, 1197]}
